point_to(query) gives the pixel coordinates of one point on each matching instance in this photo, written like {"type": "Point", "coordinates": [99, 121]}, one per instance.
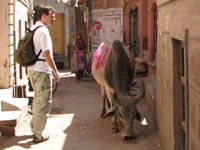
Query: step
{"type": "Point", "coordinates": [151, 69]}
{"type": "Point", "coordinates": [6, 92]}
{"type": "Point", "coordinates": [141, 72]}
{"type": "Point", "coordinates": [7, 130]}
{"type": "Point", "coordinates": [58, 58]}
{"type": "Point", "coordinates": [13, 104]}
{"type": "Point", "coordinates": [8, 121]}
{"type": "Point", "coordinates": [9, 117]}
{"type": "Point", "coordinates": [141, 60]}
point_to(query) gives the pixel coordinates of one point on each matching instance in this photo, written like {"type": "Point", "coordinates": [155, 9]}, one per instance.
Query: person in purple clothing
{"type": "Point", "coordinates": [79, 56]}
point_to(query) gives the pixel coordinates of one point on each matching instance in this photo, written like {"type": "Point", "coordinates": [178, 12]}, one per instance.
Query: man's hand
{"type": "Point", "coordinates": [51, 63]}
{"type": "Point", "coordinates": [57, 76]}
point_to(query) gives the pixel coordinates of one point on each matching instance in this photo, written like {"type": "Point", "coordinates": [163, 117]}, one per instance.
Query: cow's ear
{"type": "Point", "coordinates": [110, 112]}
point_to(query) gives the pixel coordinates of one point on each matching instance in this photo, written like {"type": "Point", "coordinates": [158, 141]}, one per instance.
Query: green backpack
{"type": "Point", "coordinates": [25, 53]}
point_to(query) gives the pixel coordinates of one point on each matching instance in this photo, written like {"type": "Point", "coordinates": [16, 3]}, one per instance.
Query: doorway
{"type": "Point", "coordinates": [57, 34]}
{"type": "Point", "coordinates": [112, 32]}
{"type": "Point", "coordinates": [154, 30]}
{"type": "Point", "coordinates": [134, 32]}
{"type": "Point", "coordinates": [181, 95]}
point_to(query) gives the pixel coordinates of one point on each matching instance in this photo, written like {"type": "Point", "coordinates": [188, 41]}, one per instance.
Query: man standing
{"type": "Point", "coordinates": [40, 73]}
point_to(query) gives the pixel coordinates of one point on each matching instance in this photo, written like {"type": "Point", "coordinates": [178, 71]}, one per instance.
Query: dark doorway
{"type": "Point", "coordinates": [155, 31]}
{"type": "Point", "coordinates": [181, 95]}
{"type": "Point", "coordinates": [134, 32]}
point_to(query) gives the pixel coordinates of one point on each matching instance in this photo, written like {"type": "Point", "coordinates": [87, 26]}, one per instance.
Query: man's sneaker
{"type": "Point", "coordinates": [36, 140]}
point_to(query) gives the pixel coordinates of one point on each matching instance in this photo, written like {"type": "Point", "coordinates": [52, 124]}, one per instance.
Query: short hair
{"type": "Point", "coordinates": [43, 10]}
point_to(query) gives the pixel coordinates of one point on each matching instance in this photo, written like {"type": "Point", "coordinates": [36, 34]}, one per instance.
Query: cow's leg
{"type": "Point", "coordinates": [110, 95]}
{"type": "Point", "coordinates": [103, 96]}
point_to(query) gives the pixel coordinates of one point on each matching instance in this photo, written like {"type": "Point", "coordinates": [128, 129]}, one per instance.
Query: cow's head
{"type": "Point", "coordinates": [126, 111]}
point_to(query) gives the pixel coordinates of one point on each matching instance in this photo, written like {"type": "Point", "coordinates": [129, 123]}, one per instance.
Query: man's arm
{"type": "Point", "coordinates": [51, 63]}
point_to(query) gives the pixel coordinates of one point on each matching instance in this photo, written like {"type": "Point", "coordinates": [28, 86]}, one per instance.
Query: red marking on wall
{"type": "Point", "coordinates": [97, 24]}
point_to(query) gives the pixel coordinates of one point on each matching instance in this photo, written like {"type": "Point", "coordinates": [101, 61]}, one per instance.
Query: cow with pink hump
{"type": "Point", "coordinates": [113, 69]}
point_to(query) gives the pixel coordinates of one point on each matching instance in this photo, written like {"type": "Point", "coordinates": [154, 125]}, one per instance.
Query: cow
{"type": "Point", "coordinates": [113, 69]}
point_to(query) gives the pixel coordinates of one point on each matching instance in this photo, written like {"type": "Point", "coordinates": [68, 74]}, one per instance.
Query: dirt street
{"type": "Point", "coordinates": [75, 123]}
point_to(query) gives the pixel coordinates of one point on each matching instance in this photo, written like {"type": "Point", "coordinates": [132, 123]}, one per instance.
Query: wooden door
{"type": "Point", "coordinates": [181, 94]}
{"type": "Point", "coordinates": [57, 34]}
{"type": "Point", "coordinates": [113, 27]}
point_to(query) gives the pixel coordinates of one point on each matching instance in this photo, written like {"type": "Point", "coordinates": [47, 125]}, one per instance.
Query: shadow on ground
{"type": "Point", "coordinates": [75, 123]}
{"type": "Point", "coordinates": [24, 141]}
{"type": "Point", "coordinates": [88, 131]}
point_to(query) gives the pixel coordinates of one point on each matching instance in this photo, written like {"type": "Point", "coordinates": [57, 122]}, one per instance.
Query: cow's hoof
{"type": "Point", "coordinates": [115, 129]}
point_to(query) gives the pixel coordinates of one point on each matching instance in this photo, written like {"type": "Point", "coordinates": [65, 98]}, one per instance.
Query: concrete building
{"type": "Point", "coordinates": [136, 23]}
{"type": "Point", "coordinates": [5, 81]}
{"type": "Point", "coordinates": [136, 26]}
{"type": "Point", "coordinates": [140, 31]}
{"type": "Point", "coordinates": [178, 85]}
{"type": "Point", "coordinates": [15, 17]}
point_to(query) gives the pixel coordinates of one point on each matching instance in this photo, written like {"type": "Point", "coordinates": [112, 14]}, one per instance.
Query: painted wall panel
{"type": "Point", "coordinates": [107, 24]}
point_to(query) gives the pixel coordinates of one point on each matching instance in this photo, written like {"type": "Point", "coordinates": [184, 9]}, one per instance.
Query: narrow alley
{"type": "Point", "coordinates": [75, 123]}
{"type": "Point", "coordinates": [163, 39]}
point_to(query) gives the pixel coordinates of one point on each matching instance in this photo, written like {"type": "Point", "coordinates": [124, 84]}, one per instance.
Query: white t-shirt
{"type": "Point", "coordinates": [41, 40]}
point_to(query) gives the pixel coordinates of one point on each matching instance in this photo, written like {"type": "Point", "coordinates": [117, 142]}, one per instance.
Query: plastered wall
{"type": "Point", "coordinates": [174, 18]}
{"type": "Point", "coordinates": [4, 61]}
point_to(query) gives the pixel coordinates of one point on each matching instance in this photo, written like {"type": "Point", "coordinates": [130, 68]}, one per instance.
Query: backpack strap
{"type": "Point", "coordinates": [35, 29]}
{"type": "Point", "coordinates": [38, 59]}
{"type": "Point", "coordinates": [29, 30]}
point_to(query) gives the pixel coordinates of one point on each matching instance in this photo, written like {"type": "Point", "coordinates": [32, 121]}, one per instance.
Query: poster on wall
{"type": "Point", "coordinates": [96, 35]}
{"type": "Point", "coordinates": [107, 25]}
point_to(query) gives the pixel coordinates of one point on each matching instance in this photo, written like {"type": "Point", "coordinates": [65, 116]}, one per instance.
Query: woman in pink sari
{"type": "Point", "coordinates": [79, 56]}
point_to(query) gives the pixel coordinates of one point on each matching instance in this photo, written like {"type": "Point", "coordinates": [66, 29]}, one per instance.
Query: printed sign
{"type": "Point", "coordinates": [97, 24]}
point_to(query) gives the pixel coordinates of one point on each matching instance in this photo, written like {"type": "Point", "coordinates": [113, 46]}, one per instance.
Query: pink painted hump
{"type": "Point", "coordinates": [100, 56]}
